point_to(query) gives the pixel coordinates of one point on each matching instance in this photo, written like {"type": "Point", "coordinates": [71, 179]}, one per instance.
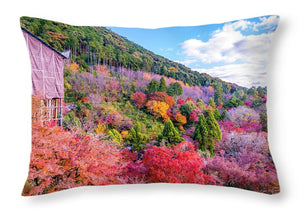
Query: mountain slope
{"type": "Point", "coordinates": [98, 45]}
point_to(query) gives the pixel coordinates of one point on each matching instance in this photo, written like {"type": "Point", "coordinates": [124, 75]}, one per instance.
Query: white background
{"type": "Point", "coordinates": [283, 102]}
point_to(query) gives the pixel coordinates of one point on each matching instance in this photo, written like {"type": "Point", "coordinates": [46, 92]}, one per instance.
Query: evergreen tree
{"type": "Point", "coordinates": [174, 89]}
{"type": "Point", "coordinates": [136, 137]}
{"type": "Point", "coordinates": [201, 133]}
{"type": "Point", "coordinates": [223, 115]}
{"type": "Point", "coordinates": [233, 102]}
{"type": "Point", "coordinates": [162, 85]}
{"type": "Point", "coordinates": [152, 86]}
{"type": "Point", "coordinates": [257, 101]}
{"type": "Point", "coordinates": [200, 102]}
{"type": "Point", "coordinates": [206, 132]}
{"type": "Point", "coordinates": [264, 122]}
{"type": "Point", "coordinates": [261, 91]}
{"type": "Point", "coordinates": [252, 91]}
{"type": "Point", "coordinates": [211, 102]}
{"type": "Point", "coordinates": [217, 114]}
{"type": "Point", "coordinates": [214, 131]}
{"type": "Point", "coordinates": [239, 94]}
{"type": "Point", "coordinates": [115, 136]}
{"type": "Point", "coordinates": [187, 108]}
{"type": "Point", "coordinates": [169, 135]}
{"type": "Point", "coordinates": [133, 87]}
{"type": "Point", "coordinates": [218, 95]}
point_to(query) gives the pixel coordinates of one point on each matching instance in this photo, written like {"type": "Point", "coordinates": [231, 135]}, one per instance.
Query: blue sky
{"type": "Point", "coordinates": [236, 51]}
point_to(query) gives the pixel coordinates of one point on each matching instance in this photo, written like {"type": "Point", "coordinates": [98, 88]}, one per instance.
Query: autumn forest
{"type": "Point", "coordinates": [131, 116]}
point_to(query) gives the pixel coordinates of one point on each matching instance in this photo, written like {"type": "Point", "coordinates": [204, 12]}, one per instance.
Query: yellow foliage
{"type": "Point", "coordinates": [124, 134]}
{"type": "Point", "coordinates": [158, 109]}
{"type": "Point", "coordinates": [67, 85]}
{"type": "Point", "coordinates": [100, 128]}
{"type": "Point", "coordinates": [173, 69]}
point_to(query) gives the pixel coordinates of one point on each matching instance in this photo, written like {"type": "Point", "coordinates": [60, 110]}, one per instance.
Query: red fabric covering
{"type": "Point", "coordinates": [46, 69]}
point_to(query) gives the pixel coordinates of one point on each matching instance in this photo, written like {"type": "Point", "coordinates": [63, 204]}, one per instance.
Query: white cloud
{"type": "Point", "coordinates": [228, 45]}
{"type": "Point", "coordinates": [241, 24]}
{"type": "Point", "coordinates": [246, 75]}
{"type": "Point", "coordinates": [266, 23]}
{"type": "Point", "coordinates": [216, 49]}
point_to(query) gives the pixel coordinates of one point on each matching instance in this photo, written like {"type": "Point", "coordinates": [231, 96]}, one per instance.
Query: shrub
{"type": "Point", "coordinates": [243, 160]}
{"type": "Point", "coordinates": [158, 109]}
{"type": "Point", "coordinates": [139, 99]}
{"type": "Point", "coordinates": [61, 159]}
{"type": "Point", "coordinates": [162, 97]}
{"type": "Point", "coordinates": [187, 108]}
{"type": "Point", "coordinates": [242, 114]}
{"type": "Point", "coordinates": [176, 164]}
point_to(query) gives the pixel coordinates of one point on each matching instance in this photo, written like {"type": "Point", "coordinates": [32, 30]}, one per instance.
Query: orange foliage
{"type": "Point", "coordinates": [74, 67]}
{"type": "Point", "coordinates": [211, 88]}
{"type": "Point", "coordinates": [35, 111]}
{"type": "Point", "coordinates": [147, 76]}
{"type": "Point", "coordinates": [101, 69]}
{"type": "Point", "coordinates": [181, 120]}
{"type": "Point", "coordinates": [61, 160]}
{"type": "Point", "coordinates": [162, 97]}
{"type": "Point", "coordinates": [56, 36]}
{"type": "Point", "coordinates": [180, 82]}
{"type": "Point", "coordinates": [172, 80]}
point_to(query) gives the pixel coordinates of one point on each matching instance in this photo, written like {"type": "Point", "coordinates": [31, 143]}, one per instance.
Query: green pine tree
{"type": "Point", "coordinates": [200, 102]}
{"type": "Point", "coordinates": [169, 135]}
{"type": "Point", "coordinates": [211, 102]}
{"type": "Point", "coordinates": [174, 89]}
{"type": "Point", "coordinates": [201, 133]}
{"type": "Point", "coordinates": [162, 85]}
{"type": "Point", "coordinates": [218, 95]}
{"type": "Point", "coordinates": [136, 138]}
{"type": "Point", "coordinates": [217, 114]}
{"type": "Point", "coordinates": [153, 86]}
{"type": "Point", "coordinates": [214, 131]}
{"type": "Point", "coordinates": [264, 122]}
{"type": "Point", "coordinates": [206, 132]}
{"type": "Point", "coordinates": [115, 136]}
{"type": "Point", "coordinates": [223, 115]}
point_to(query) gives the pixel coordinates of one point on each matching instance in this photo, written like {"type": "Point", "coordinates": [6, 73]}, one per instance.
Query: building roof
{"type": "Point", "coordinates": [65, 54]}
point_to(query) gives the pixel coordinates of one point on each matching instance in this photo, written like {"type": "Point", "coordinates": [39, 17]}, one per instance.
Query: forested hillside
{"type": "Point", "coordinates": [131, 116]}
{"type": "Point", "coordinates": [98, 45]}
